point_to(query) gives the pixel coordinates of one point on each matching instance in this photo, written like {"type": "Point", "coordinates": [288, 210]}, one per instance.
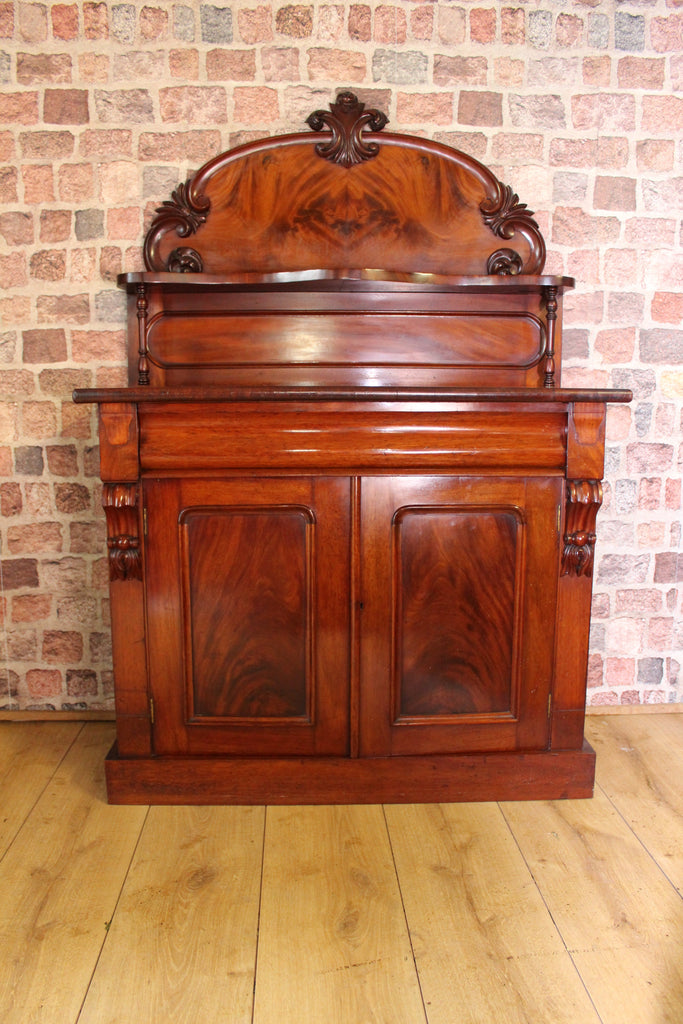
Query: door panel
{"type": "Point", "coordinates": [248, 615]}
{"type": "Point", "coordinates": [456, 576]}
{"type": "Point", "coordinates": [247, 578]}
{"type": "Point", "coordinates": [458, 594]}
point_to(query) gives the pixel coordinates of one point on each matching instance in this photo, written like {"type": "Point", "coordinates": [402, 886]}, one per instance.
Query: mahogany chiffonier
{"type": "Point", "coordinates": [350, 509]}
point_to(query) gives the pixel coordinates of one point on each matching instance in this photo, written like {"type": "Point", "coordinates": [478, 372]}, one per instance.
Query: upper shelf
{"type": "Point", "coordinates": [344, 196]}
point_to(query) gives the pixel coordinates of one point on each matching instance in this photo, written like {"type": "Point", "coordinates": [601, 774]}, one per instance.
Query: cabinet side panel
{"type": "Point", "coordinates": [455, 629]}
{"type": "Point", "coordinates": [247, 609]}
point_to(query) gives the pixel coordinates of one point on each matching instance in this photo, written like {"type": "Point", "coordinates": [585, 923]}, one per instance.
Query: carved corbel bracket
{"type": "Point", "coordinates": [123, 542]}
{"type": "Point", "coordinates": [584, 498]}
{"type": "Point", "coordinates": [346, 119]}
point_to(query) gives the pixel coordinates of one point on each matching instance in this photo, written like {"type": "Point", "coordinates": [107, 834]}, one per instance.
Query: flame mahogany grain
{"type": "Point", "coordinates": [350, 508]}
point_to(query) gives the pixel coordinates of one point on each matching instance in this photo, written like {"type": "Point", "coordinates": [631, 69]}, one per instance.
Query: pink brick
{"type": "Point", "coordinates": [34, 538]}
{"type": "Point", "coordinates": [651, 535]}
{"type": "Point", "coordinates": [621, 267]}
{"type": "Point", "coordinates": [184, 64]}
{"type": "Point", "coordinates": [123, 223]}
{"type": "Point", "coordinates": [649, 494]}
{"type": "Point", "coordinates": [64, 21]}
{"type": "Point", "coordinates": [390, 25]}
{"type": "Point", "coordinates": [89, 346]}
{"type": "Point", "coordinates": [666, 34]}
{"type": "Point", "coordinates": [595, 671]}
{"type": "Point", "coordinates": [422, 22]}
{"type": "Point", "coordinates": [13, 271]}
{"type": "Point", "coordinates": [451, 25]}
{"type": "Point", "coordinates": [672, 494]}
{"type": "Point", "coordinates": [416, 108]}
{"type": "Point", "coordinates": [32, 22]}
{"type": "Point", "coordinates": [618, 425]}
{"type": "Point", "coordinates": [194, 104]}
{"type": "Point", "coordinates": [93, 67]}
{"type": "Point", "coordinates": [607, 111]}
{"type": "Point", "coordinates": [512, 26]}
{"type": "Point", "coordinates": [480, 108]}
{"type": "Point", "coordinates": [655, 154]}
{"type": "Point", "coordinates": [483, 25]}
{"type": "Point", "coordinates": [662, 113]}
{"type": "Point", "coordinates": [65, 106]}
{"type": "Point", "coordinates": [572, 226]}
{"type": "Point", "coordinates": [330, 22]}
{"type": "Point", "coordinates": [256, 24]}
{"type": "Point", "coordinates": [6, 19]}
{"type": "Point", "coordinates": [38, 183]}
{"type": "Point", "coordinates": [76, 182]}
{"type": "Point", "coordinates": [42, 682]}
{"type": "Point", "coordinates": [20, 107]}
{"type": "Point", "coordinates": [31, 607]}
{"type": "Point", "coordinates": [660, 634]}
{"type": "Point", "coordinates": [667, 307]}
{"type": "Point", "coordinates": [620, 671]}
{"type": "Point", "coordinates": [153, 23]}
{"type": "Point", "coordinates": [455, 70]}
{"type": "Point", "coordinates": [509, 71]}
{"type": "Point", "coordinates": [338, 65]}
{"type": "Point", "coordinates": [568, 30]}
{"type": "Point", "coordinates": [280, 63]}
{"type": "Point", "coordinates": [255, 105]}
{"type": "Point", "coordinates": [597, 71]}
{"type": "Point", "coordinates": [641, 72]}
{"type": "Point", "coordinates": [233, 65]}
{"type": "Point", "coordinates": [95, 22]}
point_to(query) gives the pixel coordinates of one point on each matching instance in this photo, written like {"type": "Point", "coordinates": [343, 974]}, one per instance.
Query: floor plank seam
{"type": "Point", "coordinates": [551, 916]}
{"type": "Point", "coordinates": [258, 915]}
{"type": "Point", "coordinates": [109, 923]}
{"type": "Point", "coordinates": [48, 782]}
{"type": "Point", "coordinates": [640, 840]}
{"type": "Point", "coordinates": [405, 915]}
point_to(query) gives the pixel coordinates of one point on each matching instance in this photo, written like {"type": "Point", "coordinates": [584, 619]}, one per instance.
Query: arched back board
{"type": "Point", "coordinates": [345, 196]}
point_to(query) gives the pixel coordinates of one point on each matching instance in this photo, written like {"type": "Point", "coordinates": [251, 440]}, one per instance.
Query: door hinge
{"type": "Point", "coordinates": [550, 704]}
{"type": "Point", "coordinates": [144, 520]}
{"type": "Point", "coordinates": [559, 518]}
{"type": "Point", "coordinates": [151, 710]}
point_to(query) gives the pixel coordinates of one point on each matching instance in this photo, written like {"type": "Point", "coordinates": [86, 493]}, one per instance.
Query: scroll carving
{"type": "Point", "coordinates": [584, 498]}
{"type": "Point", "coordinates": [505, 216]}
{"type": "Point", "coordinates": [185, 261]}
{"type": "Point", "coordinates": [123, 543]}
{"type": "Point", "coordinates": [346, 120]}
{"type": "Point", "coordinates": [184, 212]}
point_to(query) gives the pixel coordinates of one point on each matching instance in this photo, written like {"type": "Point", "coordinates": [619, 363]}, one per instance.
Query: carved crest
{"type": "Point", "coordinates": [346, 119]}
{"type": "Point", "coordinates": [183, 212]}
{"type": "Point", "coordinates": [505, 216]}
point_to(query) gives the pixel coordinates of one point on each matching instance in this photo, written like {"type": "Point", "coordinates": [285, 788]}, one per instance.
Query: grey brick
{"type": "Point", "coordinates": [643, 418]}
{"type": "Point", "coordinates": [216, 23]}
{"type": "Point", "coordinates": [399, 68]}
{"type": "Point", "coordinates": [623, 568]}
{"type": "Point", "coordinates": [183, 23]}
{"type": "Point", "coordinates": [629, 31]}
{"type": "Point", "coordinates": [124, 105]}
{"type": "Point", "coordinates": [110, 306]}
{"type": "Point", "coordinates": [89, 224]}
{"type": "Point", "coordinates": [598, 31]}
{"type": "Point", "coordinates": [123, 22]}
{"type": "Point", "coordinates": [661, 346]}
{"type": "Point", "coordinates": [641, 382]}
{"type": "Point", "coordinates": [537, 111]}
{"type": "Point", "coordinates": [650, 671]}
{"type": "Point", "coordinates": [540, 29]}
{"type": "Point", "coordinates": [625, 495]}
{"type": "Point", "coordinates": [569, 186]}
{"type": "Point", "coordinates": [5, 67]}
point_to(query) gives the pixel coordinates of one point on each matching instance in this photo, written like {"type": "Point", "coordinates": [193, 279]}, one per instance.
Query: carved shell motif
{"type": "Point", "coordinates": [346, 119]}
{"type": "Point", "coordinates": [505, 216]}
{"type": "Point", "coordinates": [183, 212]}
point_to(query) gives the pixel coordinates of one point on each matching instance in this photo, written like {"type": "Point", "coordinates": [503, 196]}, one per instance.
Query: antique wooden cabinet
{"type": "Point", "coordinates": [350, 508]}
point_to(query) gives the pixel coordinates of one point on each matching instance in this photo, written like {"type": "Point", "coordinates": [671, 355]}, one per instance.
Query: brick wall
{"type": "Point", "coordinates": [105, 107]}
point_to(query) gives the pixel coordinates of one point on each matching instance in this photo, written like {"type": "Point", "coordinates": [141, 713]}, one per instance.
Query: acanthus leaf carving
{"type": "Point", "coordinates": [123, 542]}
{"type": "Point", "coordinates": [506, 216]}
{"type": "Point", "coordinates": [184, 212]}
{"type": "Point", "coordinates": [584, 498]}
{"type": "Point", "coordinates": [346, 120]}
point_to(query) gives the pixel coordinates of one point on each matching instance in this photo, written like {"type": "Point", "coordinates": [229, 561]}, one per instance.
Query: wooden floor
{"type": "Point", "coordinates": [449, 913]}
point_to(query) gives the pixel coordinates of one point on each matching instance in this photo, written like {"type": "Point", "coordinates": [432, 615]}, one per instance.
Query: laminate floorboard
{"type": "Point", "coordinates": [539, 912]}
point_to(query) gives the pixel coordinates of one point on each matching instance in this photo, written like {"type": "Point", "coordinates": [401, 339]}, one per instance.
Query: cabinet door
{"type": "Point", "coordinates": [247, 590]}
{"type": "Point", "coordinates": [459, 581]}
